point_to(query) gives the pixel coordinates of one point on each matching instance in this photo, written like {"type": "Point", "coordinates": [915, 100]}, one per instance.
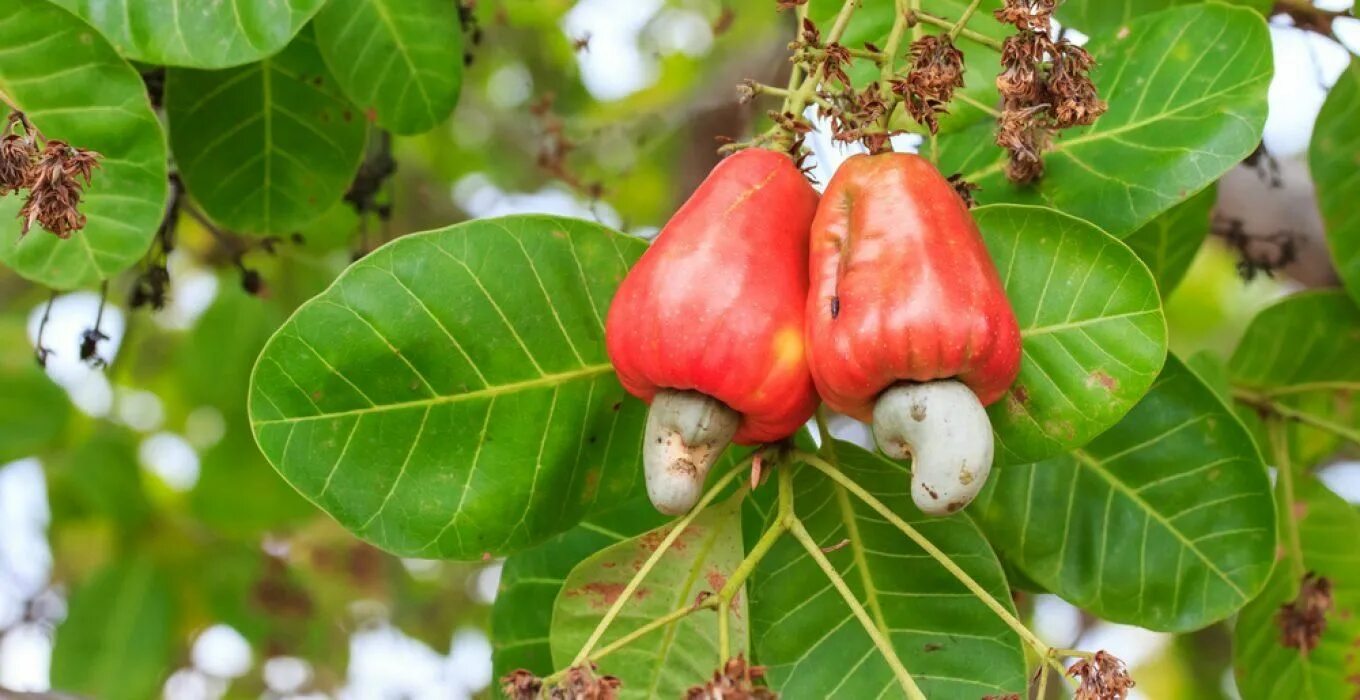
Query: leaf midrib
{"type": "Point", "coordinates": [546, 380]}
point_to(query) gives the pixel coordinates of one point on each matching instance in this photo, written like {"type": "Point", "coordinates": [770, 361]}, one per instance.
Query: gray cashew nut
{"type": "Point", "coordinates": [686, 433]}
{"type": "Point", "coordinates": [942, 427]}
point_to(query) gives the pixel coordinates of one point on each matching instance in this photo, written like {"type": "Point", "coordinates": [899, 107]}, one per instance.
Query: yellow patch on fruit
{"type": "Point", "coordinates": [788, 347]}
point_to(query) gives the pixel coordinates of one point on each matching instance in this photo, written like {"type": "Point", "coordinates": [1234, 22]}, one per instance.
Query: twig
{"type": "Point", "coordinates": [40, 352]}
{"type": "Point", "coordinates": [677, 528]}
{"type": "Point", "coordinates": [938, 555]}
{"type": "Point", "coordinates": [977, 37]}
{"type": "Point", "coordinates": [885, 648]}
{"type": "Point", "coordinates": [1270, 407]}
{"type": "Point", "coordinates": [963, 20]}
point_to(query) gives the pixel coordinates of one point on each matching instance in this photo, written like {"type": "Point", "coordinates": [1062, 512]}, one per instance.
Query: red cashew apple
{"type": "Point", "coordinates": [708, 326]}
{"type": "Point", "coordinates": [908, 325]}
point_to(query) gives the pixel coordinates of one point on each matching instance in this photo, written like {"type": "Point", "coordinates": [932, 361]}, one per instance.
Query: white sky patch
{"type": "Point", "coordinates": [476, 194]}
{"type": "Point", "coordinates": [25, 658]}
{"type": "Point", "coordinates": [287, 674]}
{"type": "Point", "coordinates": [222, 652]}
{"type": "Point", "coordinates": [71, 315]}
{"type": "Point", "coordinates": [614, 66]}
{"type": "Point", "coordinates": [510, 86]}
{"type": "Point", "coordinates": [171, 458]}
{"type": "Point", "coordinates": [138, 409]}
{"type": "Point", "coordinates": [483, 583]}
{"type": "Point", "coordinates": [192, 291]}
{"type": "Point", "coordinates": [1306, 65]}
{"type": "Point", "coordinates": [677, 30]}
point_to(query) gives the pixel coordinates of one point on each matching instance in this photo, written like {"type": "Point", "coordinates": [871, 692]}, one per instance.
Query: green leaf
{"type": "Point", "coordinates": [237, 493]}
{"type": "Point", "coordinates": [450, 394]}
{"type": "Point", "coordinates": [1333, 160]}
{"type": "Point", "coordinates": [667, 661]}
{"type": "Point", "coordinates": [401, 59]}
{"type": "Point", "coordinates": [1104, 16]}
{"type": "Point", "coordinates": [1169, 242]}
{"type": "Point", "coordinates": [1092, 325]}
{"type": "Point", "coordinates": [1165, 521]}
{"type": "Point", "coordinates": [74, 87]}
{"type": "Point", "coordinates": [532, 579]}
{"type": "Point", "coordinates": [1297, 359]}
{"type": "Point", "coordinates": [195, 33]}
{"type": "Point", "coordinates": [806, 636]}
{"type": "Point", "coordinates": [266, 147]}
{"type": "Point", "coordinates": [1265, 668]}
{"type": "Point", "coordinates": [117, 638]}
{"type": "Point", "coordinates": [100, 476]}
{"type": "Point", "coordinates": [1187, 94]}
{"type": "Point", "coordinates": [35, 411]}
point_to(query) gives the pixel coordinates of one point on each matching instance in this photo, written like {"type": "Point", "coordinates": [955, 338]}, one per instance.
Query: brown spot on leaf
{"type": "Point", "coordinates": [1300, 510]}
{"type": "Point", "coordinates": [1104, 379]}
{"type": "Point", "coordinates": [371, 115]}
{"type": "Point", "coordinates": [1020, 393]}
{"type": "Point", "coordinates": [604, 594]}
{"type": "Point", "coordinates": [932, 646]}
{"type": "Point", "coordinates": [316, 395]}
{"type": "Point", "coordinates": [1303, 621]}
{"type": "Point", "coordinates": [715, 579]}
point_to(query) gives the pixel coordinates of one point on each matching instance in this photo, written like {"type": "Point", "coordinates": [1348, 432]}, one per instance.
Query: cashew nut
{"type": "Point", "coordinates": [942, 427]}
{"type": "Point", "coordinates": [686, 433]}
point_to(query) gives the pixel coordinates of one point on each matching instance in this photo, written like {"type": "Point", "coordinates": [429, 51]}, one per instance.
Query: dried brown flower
{"type": "Point", "coordinates": [964, 188]}
{"type": "Point", "coordinates": [1020, 132]}
{"type": "Point", "coordinates": [936, 72]}
{"type": "Point", "coordinates": [1103, 677]}
{"type": "Point", "coordinates": [1027, 14]}
{"type": "Point", "coordinates": [834, 60]}
{"type": "Point", "coordinates": [1071, 92]}
{"type": "Point", "coordinates": [936, 66]}
{"type": "Point", "coordinates": [17, 154]}
{"type": "Point", "coordinates": [1019, 78]}
{"type": "Point", "coordinates": [1303, 621]}
{"type": "Point", "coordinates": [734, 681]}
{"type": "Point", "coordinates": [581, 683]}
{"type": "Point", "coordinates": [521, 685]}
{"type": "Point", "coordinates": [54, 188]}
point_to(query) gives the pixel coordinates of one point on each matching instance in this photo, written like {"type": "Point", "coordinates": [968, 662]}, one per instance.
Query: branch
{"type": "Point", "coordinates": [976, 37]}
{"type": "Point", "coordinates": [885, 648]}
{"type": "Point", "coordinates": [676, 529]}
{"type": "Point", "coordinates": [1046, 652]}
{"type": "Point", "coordinates": [1261, 403]}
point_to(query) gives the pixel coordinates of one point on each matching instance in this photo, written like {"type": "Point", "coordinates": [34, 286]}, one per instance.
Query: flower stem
{"type": "Point", "coordinates": [798, 99]}
{"type": "Point", "coordinates": [885, 648]}
{"type": "Point", "coordinates": [676, 529]}
{"type": "Point", "coordinates": [976, 37]}
{"type": "Point", "coordinates": [648, 628]}
{"type": "Point", "coordinates": [963, 20]}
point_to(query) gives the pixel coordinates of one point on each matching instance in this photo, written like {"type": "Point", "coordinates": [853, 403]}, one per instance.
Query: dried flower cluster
{"type": "Point", "coordinates": [579, 683]}
{"type": "Point", "coordinates": [1102, 677]}
{"type": "Point", "coordinates": [55, 177]}
{"type": "Point", "coordinates": [736, 680]}
{"type": "Point", "coordinates": [1303, 621]}
{"type": "Point", "coordinates": [936, 72]}
{"type": "Point", "coordinates": [1045, 85]}
{"type": "Point", "coordinates": [557, 147]}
